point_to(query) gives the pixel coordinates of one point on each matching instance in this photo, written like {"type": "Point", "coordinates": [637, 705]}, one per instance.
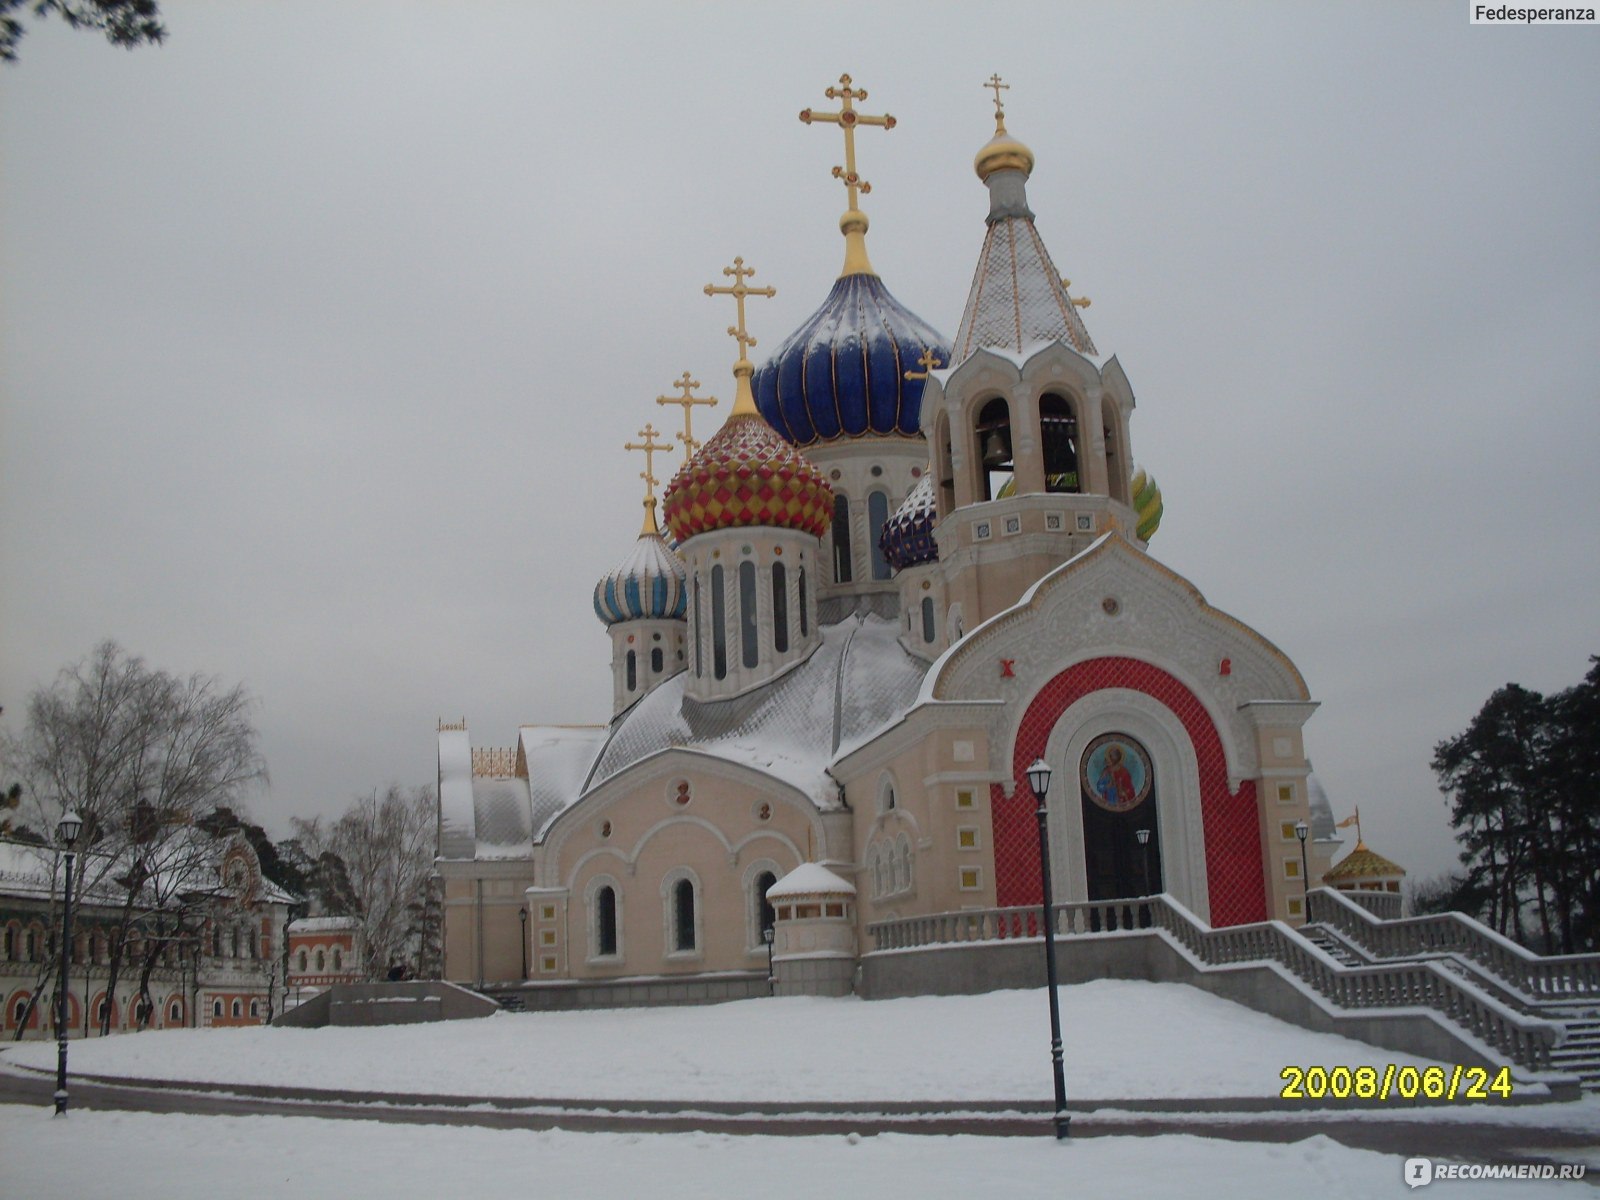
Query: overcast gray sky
{"type": "Point", "coordinates": [324, 324]}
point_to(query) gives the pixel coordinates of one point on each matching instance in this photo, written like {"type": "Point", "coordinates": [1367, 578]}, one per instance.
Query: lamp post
{"type": "Point", "coordinates": [523, 914]}
{"type": "Point", "coordinates": [67, 830]}
{"type": "Point", "coordinates": [767, 934]}
{"type": "Point", "coordinates": [1300, 831]}
{"type": "Point", "coordinates": [1142, 836]}
{"type": "Point", "coordinates": [1039, 781]}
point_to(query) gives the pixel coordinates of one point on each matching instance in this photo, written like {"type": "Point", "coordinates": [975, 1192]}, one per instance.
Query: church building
{"type": "Point", "coordinates": [906, 566]}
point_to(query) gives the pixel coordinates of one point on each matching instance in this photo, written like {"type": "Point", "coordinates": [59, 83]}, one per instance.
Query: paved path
{"type": "Point", "coordinates": [1485, 1141]}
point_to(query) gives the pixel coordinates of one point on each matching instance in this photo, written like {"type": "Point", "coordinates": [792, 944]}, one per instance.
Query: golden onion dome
{"type": "Point", "coordinates": [1147, 503]}
{"type": "Point", "coordinates": [747, 475]}
{"type": "Point", "coordinates": [1002, 152]}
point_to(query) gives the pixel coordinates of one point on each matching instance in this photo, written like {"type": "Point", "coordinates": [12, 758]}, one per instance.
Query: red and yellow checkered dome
{"type": "Point", "coordinates": [747, 475]}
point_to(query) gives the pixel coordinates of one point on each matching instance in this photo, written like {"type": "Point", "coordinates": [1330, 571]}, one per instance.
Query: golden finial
{"type": "Point", "coordinates": [649, 446]}
{"type": "Point", "coordinates": [1077, 301]}
{"type": "Point", "coordinates": [744, 401]}
{"type": "Point", "coordinates": [999, 104]}
{"type": "Point", "coordinates": [687, 402]}
{"type": "Point", "coordinates": [854, 222]}
{"type": "Point", "coordinates": [929, 362]}
{"type": "Point", "coordinates": [1002, 151]}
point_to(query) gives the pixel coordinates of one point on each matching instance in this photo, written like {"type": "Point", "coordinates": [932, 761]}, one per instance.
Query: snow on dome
{"type": "Point", "coordinates": [648, 585]}
{"type": "Point", "coordinates": [907, 538]}
{"type": "Point", "coordinates": [810, 879]}
{"type": "Point", "coordinates": [843, 372]}
{"type": "Point", "coordinates": [747, 475]}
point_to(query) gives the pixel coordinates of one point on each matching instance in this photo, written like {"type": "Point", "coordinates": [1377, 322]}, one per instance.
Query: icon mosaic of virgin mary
{"type": "Point", "coordinates": [1116, 772]}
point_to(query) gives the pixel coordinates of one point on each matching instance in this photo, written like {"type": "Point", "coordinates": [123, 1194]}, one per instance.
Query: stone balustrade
{"type": "Point", "coordinates": [1521, 1039]}
{"type": "Point", "coordinates": [1538, 977]}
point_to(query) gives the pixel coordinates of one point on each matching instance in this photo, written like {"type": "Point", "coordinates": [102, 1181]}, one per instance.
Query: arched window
{"type": "Point", "coordinates": [877, 514]}
{"type": "Point", "coordinates": [11, 942]}
{"type": "Point", "coordinates": [234, 940]}
{"type": "Point", "coordinates": [302, 960]}
{"type": "Point", "coordinates": [216, 943]}
{"type": "Point", "coordinates": [903, 873]}
{"type": "Point", "coordinates": [322, 962]}
{"type": "Point", "coordinates": [255, 1008]}
{"type": "Point", "coordinates": [993, 444]}
{"type": "Point", "coordinates": [946, 472]}
{"type": "Point", "coordinates": [216, 1008]}
{"type": "Point", "coordinates": [719, 625]}
{"type": "Point", "coordinates": [927, 619]}
{"type": "Point", "coordinates": [1058, 433]}
{"type": "Point", "coordinates": [841, 538]}
{"type": "Point", "coordinates": [250, 942]}
{"type": "Point", "coordinates": [175, 1013]}
{"type": "Point", "coordinates": [633, 671]}
{"type": "Point", "coordinates": [880, 882]}
{"type": "Point", "coordinates": [33, 946]}
{"type": "Point", "coordinates": [238, 1010]}
{"type": "Point", "coordinates": [886, 798]}
{"type": "Point", "coordinates": [764, 915]}
{"type": "Point", "coordinates": [605, 922]}
{"type": "Point", "coordinates": [805, 614]}
{"type": "Point", "coordinates": [698, 668]}
{"type": "Point", "coordinates": [683, 918]}
{"type": "Point", "coordinates": [747, 612]}
{"type": "Point", "coordinates": [780, 608]}
{"type": "Point", "coordinates": [656, 661]}
{"type": "Point", "coordinates": [338, 959]}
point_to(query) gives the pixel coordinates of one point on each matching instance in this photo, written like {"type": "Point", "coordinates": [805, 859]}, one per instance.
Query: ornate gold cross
{"type": "Point", "coordinates": [649, 446]}
{"type": "Point", "coordinates": [999, 104]}
{"type": "Point", "coordinates": [929, 362]}
{"type": "Point", "coordinates": [687, 402]}
{"type": "Point", "coordinates": [739, 291]}
{"type": "Point", "coordinates": [847, 118]}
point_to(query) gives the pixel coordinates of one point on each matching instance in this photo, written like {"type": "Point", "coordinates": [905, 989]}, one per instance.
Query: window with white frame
{"type": "Point", "coordinates": [682, 934]}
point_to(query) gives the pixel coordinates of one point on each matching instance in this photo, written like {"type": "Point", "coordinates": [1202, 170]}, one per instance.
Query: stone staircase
{"type": "Point", "coordinates": [1564, 990]}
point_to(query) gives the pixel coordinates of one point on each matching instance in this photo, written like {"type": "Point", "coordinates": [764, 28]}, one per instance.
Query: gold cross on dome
{"type": "Point", "coordinates": [847, 118]}
{"type": "Point", "coordinates": [999, 104]}
{"type": "Point", "coordinates": [739, 291]}
{"type": "Point", "coordinates": [687, 402]}
{"type": "Point", "coordinates": [649, 446]}
{"type": "Point", "coordinates": [929, 362]}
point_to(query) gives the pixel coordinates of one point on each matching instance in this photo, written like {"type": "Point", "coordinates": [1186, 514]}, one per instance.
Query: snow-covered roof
{"type": "Point", "coordinates": [859, 680]}
{"type": "Point", "coordinates": [325, 925]}
{"type": "Point", "coordinates": [499, 816]}
{"type": "Point", "coordinates": [810, 879]}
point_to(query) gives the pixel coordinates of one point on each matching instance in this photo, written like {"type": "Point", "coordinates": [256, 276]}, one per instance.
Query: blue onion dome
{"type": "Point", "coordinates": [649, 585]}
{"type": "Point", "coordinates": [843, 372]}
{"type": "Point", "coordinates": [907, 538]}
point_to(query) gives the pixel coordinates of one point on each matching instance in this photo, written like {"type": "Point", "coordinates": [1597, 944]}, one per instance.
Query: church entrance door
{"type": "Point", "coordinates": [1121, 834]}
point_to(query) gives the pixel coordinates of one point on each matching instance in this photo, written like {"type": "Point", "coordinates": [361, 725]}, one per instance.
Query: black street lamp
{"type": "Point", "coordinates": [67, 830]}
{"type": "Point", "coordinates": [1300, 831]}
{"type": "Point", "coordinates": [1039, 781]}
{"type": "Point", "coordinates": [767, 934]}
{"type": "Point", "coordinates": [523, 914]}
{"type": "Point", "coordinates": [1143, 836]}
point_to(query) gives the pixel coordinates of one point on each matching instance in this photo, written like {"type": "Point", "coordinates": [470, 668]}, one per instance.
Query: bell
{"type": "Point", "coordinates": [995, 451]}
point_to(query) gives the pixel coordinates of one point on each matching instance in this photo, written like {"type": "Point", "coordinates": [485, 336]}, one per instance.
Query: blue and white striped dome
{"type": "Point", "coordinates": [907, 538]}
{"type": "Point", "coordinates": [649, 585]}
{"type": "Point", "coordinates": [842, 373]}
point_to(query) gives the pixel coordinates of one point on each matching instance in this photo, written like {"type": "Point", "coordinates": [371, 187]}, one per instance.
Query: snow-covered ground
{"type": "Point", "coordinates": [132, 1156]}
{"type": "Point", "coordinates": [1123, 1040]}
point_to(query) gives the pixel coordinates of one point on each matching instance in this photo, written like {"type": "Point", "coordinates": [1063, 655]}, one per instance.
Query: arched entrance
{"type": "Point", "coordinates": [1121, 830]}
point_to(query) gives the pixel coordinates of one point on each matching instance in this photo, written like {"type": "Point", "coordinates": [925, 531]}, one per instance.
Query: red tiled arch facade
{"type": "Point", "coordinates": [1233, 841]}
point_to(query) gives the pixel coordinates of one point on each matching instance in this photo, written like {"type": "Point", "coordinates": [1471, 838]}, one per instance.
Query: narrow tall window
{"type": "Point", "coordinates": [747, 612]}
{"type": "Point", "coordinates": [1058, 431]}
{"type": "Point", "coordinates": [633, 670]}
{"type": "Point", "coordinates": [877, 514]}
{"type": "Point", "coordinates": [719, 625]}
{"type": "Point", "coordinates": [338, 959]}
{"type": "Point", "coordinates": [656, 661]}
{"type": "Point", "coordinates": [764, 914]}
{"type": "Point", "coordinates": [683, 915]}
{"type": "Point", "coordinates": [322, 962]}
{"type": "Point", "coordinates": [927, 619]}
{"type": "Point", "coordinates": [805, 612]}
{"type": "Point", "coordinates": [993, 436]}
{"type": "Point", "coordinates": [841, 539]}
{"type": "Point", "coordinates": [780, 608]}
{"type": "Point", "coordinates": [698, 668]}
{"type": "Point", "coordinates": [605, 918]}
